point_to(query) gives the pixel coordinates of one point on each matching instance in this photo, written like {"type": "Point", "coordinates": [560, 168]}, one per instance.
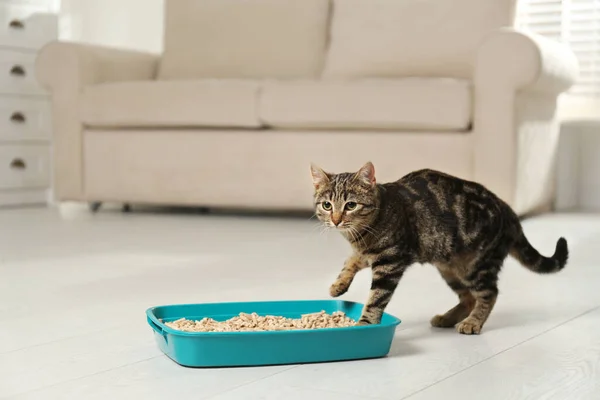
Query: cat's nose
{"type": "Point", "coordinates": [336, 220]}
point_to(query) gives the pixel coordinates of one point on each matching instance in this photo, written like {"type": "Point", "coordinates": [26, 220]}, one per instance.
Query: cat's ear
{"type": "Point", "coordinates": [319, 176]}
{"type": "Point", "coordinates": [367, 174]}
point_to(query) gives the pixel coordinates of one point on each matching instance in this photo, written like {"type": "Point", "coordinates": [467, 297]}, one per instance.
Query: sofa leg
{"type": "Point", "coordinates": [95, 206]}
{"type": "Point", "coordinates": [126, 207]}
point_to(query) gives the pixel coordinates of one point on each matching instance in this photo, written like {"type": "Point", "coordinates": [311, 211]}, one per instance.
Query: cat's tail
{"type": "Point", "coordinates": [530, 258]}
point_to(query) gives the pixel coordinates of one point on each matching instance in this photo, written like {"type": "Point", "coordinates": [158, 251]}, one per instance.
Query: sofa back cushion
{"type": "Point", "coordinates": [389, 38]}
{"type": "Point", "coordinates": [244, 38]}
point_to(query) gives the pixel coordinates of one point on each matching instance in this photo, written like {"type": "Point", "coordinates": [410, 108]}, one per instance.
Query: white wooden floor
{"type": "Point", "coordinates": [73, 294]}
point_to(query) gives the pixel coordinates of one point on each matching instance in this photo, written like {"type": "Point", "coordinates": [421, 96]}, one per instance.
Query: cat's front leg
{"type": "Point", "coordinates": [353, 264]}
{"type": "Point", "coordinates": [386, 276]}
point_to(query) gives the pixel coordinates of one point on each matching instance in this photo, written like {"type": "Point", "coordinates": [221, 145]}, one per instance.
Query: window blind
{"type": "Point", "coordinates": [574, 22]}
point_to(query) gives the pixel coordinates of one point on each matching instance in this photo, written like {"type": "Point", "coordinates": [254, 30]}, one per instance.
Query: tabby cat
{"type": "Point", "coordinates": [426, 217]}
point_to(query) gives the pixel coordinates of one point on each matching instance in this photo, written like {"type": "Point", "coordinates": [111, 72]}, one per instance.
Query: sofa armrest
{"type": "Point", "coordinates": [70, 66]}
{"type": "Point", "coordinates": [518, 77]}
{"type": "Point", "coordinates": [64, 69]}
{"type": "Point", "coordinates": [525, 61]}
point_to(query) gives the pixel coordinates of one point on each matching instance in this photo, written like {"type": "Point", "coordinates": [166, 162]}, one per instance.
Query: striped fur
{"type": "Point", "coordinates": [426, 217]}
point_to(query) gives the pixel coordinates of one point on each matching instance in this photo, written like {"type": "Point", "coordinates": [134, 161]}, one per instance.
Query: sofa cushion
{"type": "Point", "coordinates": [244, 38]}
{"type": "Point", "coordinates": [389, 38]}
{"type": "Point", "coordinates": [214, 103]}
{"type": "Point", "coordinates": [415, 104]}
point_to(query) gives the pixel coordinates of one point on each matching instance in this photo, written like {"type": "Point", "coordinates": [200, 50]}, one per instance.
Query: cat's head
{"type": "Point", "coordinates": [346, 201]}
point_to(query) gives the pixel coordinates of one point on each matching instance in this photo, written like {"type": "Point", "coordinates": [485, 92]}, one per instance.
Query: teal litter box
{"type": "Point", "coordinates": [228, 349]}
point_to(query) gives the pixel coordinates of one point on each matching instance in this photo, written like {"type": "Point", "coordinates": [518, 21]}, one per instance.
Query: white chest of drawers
{"type": "Point", "coordinates": [25, 124]}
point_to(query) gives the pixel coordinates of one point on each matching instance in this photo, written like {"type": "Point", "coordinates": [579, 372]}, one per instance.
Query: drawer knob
{"type": "Point", "coordinates": [18, 163]}
{"type": "Point", "coordinates": [17, 70]}
{"type": "Point", "coordinates": [16, 24]}
{"type": "Point", "coordinates": [18, 117]}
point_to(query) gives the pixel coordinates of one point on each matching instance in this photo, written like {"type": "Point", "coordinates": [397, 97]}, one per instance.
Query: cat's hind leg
{"type": "Point", "coordinates": [353, 264]}
{"type": "Point", "coordinates": [462, 309]}
{"type": "Point", "coordinates": [483, 284]}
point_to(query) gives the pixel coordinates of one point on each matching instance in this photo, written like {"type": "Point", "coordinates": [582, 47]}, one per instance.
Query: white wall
{"type": "Point", "coordinates": [134, 24]}
{"type": "Point", "coordinates": [589, 195]}
{"type": "Point", "coordinates": [578, 178]}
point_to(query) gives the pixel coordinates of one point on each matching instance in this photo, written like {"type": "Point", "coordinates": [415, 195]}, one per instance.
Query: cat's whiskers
{"type": "Point", "coordinates": [362, 238]}
{"type": "Point", "coordinates": [325, 227]}
{"type": "Point", "coordinates": [356, 236]}
{"type": "Point", "coordinates": [316, 226]}
{"type": "Point", "coordinates": [367, 228]}
{"type": "Point", "coordinates": [350, 233]}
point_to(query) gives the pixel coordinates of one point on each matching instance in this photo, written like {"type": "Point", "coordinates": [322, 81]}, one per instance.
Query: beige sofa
{"type": "Point", "coordinates": [248, 92]}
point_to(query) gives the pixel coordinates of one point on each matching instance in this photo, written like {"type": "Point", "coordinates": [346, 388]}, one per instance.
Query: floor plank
{"type": "Point", "coordinates": [561, 364]}
{"type": "Point", "coordinates": [157, 378]}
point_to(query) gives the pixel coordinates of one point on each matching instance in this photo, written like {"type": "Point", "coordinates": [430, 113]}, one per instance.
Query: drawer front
{"type": "Point", "coordinates": [17, 73]}
{"type": "Point", "coordinates": [20, 197]}
{"type": "Point", "coordinates": [26, 26]}
{"type": "Point", "coordinates": [24, 166]}
{"type": "Point", "coordinates": [24, 119]}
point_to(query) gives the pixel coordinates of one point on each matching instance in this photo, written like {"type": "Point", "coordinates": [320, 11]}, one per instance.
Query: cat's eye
{"type": "Point", "coordinates": [326, 206]}
{"type": "Point", "coordinates": [351, 206]}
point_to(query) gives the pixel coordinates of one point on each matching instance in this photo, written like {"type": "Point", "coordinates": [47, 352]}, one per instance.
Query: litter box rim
{"type": "Point", "coordinates": [161, 328]}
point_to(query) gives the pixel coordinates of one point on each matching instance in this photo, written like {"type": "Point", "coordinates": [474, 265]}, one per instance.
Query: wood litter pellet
{"type": "Point", "coordinates": [254, 322]}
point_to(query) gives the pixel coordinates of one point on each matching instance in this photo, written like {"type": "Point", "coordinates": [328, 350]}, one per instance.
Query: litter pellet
{"type": "Point", "coordinates": [254, 322]}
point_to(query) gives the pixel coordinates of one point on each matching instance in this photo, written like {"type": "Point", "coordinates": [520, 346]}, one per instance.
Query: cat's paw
{"type": "Point", "coordinates": [338, 288]}
{"type": "Point", "coordinates": [363, 322]}
{"type": "Point", "coordinates": [469, 327]}
{"type": "Point", "coordinates": [441, 321]}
